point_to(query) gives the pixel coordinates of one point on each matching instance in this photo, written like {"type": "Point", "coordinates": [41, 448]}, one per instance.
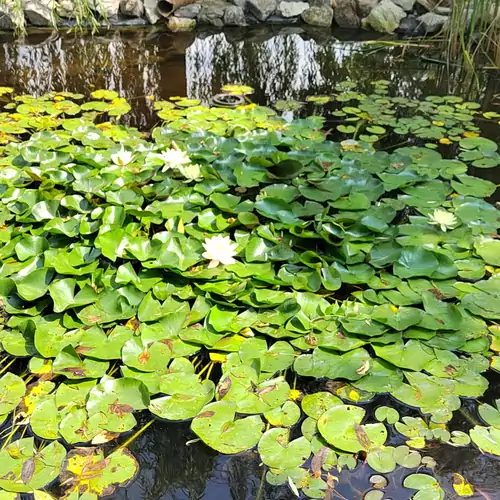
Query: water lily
{"type": "Point", "coordinates": [444, 219]}
{"type": "Point", "coordinates": [219, 250]}
{"type": "Point", "coordinates": [174, 158]}
{"type": "Point", "coordinates": [191, 172]}
{"type": "Point", "coordinates": [122, 158]}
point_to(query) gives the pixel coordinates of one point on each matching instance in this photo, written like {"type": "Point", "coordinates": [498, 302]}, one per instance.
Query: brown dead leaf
{"type": "Point", "coordinates": [319, 459]}
{"type": "Point", "coordinates": [223, 387]}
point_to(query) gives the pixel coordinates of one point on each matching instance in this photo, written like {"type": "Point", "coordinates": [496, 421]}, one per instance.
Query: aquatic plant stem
{"type": "Point", "coordinates": [205, 368]}
{"type": "Point", "coordinates": [209, 372]}
{"type": "Point", "coordinates": [469, 417]}
{"type": "Point", "coordinates": [136, 435]}
{"type": "Point", "coordinates": [261, 485]}
{"type": "Point", "coordinates": [7, 366]}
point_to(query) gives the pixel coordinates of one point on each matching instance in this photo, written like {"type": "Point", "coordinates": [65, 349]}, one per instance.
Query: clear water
{"type": "Point", "coordinates": [280, 63]}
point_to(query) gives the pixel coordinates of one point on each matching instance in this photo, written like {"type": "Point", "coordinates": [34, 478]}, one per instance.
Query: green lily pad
{"type": "Point", "coordinates": [217, 427]}
{"type": "Point", "coordinates": [316, 404]}
{"type": "Point", "coordinates": [12, 390]}
{"type": "Point", "coordinates": [118, 399]}
{"type": "Point", "coordinates": [278, 452]}
{"type": "Point", "coordinates": [286, 416]}
{"type": "Point", "coordinates": [341, 427]}
{"type": "Point", "coordinates": [240, 385]}
{"type": "Point", "coordinates": [23, 468]}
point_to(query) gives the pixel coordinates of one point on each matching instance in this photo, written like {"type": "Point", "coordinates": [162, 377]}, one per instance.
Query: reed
{"type": "Point", "coordinates": [473, 32]}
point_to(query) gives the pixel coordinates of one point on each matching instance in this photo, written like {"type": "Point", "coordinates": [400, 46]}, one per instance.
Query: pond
{"type": "Point", "coordinates": [280, 63]}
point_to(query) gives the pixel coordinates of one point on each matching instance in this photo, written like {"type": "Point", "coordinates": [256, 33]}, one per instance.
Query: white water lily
{"type": "Point", "coordinates": [174, 158]}
{"type": "Point", "coordinates": [122, 158]}
{"type": "Point", "coordinates": [444, 219]}
{"type": "Point", "coordinates": [219, 250]}
{"type": "Point", "coordinates": [191, 172]}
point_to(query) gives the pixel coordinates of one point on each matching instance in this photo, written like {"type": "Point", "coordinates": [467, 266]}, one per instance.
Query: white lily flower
{"type": "Point", "coordinates": [174, 158]}
{"type": "Point", "coordinates": [122, 158]}
{"type": "Point", "coordinates": [219, 250]}
{"type": "Point", "coordinates": [444, 219]}
{"type": "Point", "coordinates": [191, 172]}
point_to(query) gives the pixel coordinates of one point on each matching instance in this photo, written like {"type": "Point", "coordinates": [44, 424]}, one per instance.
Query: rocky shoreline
{"type": "Point", "coordinates": [408, 17]}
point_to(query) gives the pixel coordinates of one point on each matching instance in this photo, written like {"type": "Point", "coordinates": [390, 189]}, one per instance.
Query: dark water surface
{"type": "Point", "coordinates": [280, 63]}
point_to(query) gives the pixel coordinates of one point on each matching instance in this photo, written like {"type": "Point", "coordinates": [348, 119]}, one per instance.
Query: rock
{"type": "Point", "coordinates": [234, 16]}
{"type": "Point", "coordinates": [107, 8]}
{"type": "Point", "coordinates": [132, 8]}
{"type": "Point", "coordinates": [431, 23]}
{"type": "Point", "coordinates": [292, 9]}
{"type": "Point", "coordinates": [6, 18]}
{"type": "Point", "coordinates": [385, 17]}
{"type": "Point", "coordinates": [321, 3]}
{"type": "Point", "coordinates": [406, 5]}
{"type": "Point", "coordinates": [151, 12]}
{"type": "Point", "coordinates": [366, 6]}
{"type": "Point", "coordinates": [318, 16]}
{"type": "Point", "coordinates": [240, 3]}
{"type": "Point", "coordinates": [190, 11]}
{"type": "Point", "coordinates": [212, 12]}
{"type": "Point", "coordinates": [262, 9]}
{"type": "Point", "coordinates": [345, 14]}
{"type": "Point", "coordinates": [181, 24]}
{"type": "Point", "coordinates": [66, 9]}
{"type": "Point", "coordinates": [409, 26]}
{"type": "Point", "coordinates": [431, 5]}
{"type": "Point", "coordinates": [39, 12]}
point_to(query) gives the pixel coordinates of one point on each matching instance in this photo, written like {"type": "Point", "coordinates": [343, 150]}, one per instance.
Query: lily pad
{"type": "Point", "coordinates": [217, 427]}
{"type": "Point", "coordinates": [341, 427]}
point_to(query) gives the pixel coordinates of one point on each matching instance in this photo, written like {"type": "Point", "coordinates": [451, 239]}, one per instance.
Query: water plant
{"type": "Point", "coordinates": [248, 274]}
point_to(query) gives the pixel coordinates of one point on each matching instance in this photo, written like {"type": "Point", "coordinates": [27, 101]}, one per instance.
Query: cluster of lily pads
{"type": "Point", "coordinates": [208, 270]}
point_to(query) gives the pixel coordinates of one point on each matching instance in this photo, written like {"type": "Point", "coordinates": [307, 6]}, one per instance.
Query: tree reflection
{"type": "Point", "coordinates": [288, 64]}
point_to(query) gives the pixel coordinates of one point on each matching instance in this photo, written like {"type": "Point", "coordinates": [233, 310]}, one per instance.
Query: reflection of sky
{"type": "Point", "coordinates": [281, 66]}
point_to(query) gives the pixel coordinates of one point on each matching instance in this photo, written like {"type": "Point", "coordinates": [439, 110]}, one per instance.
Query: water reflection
{"type": "Point", "coordinates": [172, 470]}
{"type": "Point", "coordinates": [285, 64]}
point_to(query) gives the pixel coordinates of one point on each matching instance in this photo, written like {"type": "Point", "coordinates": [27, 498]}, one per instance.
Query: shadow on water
{"type": "Point", "coordinates": [280, 63]}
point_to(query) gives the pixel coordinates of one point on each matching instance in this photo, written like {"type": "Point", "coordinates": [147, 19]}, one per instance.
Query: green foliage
{"type": "Point", "coordinates": [131, 265]}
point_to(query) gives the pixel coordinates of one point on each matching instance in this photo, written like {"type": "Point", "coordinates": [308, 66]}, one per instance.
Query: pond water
{"type": "Point", "coordinates": [280, 63]}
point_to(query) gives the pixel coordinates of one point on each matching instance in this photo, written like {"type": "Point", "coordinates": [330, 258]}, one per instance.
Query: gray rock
{"type": "Point", "coordinates": [431, 23]}
{"type": "Point", "coordinates": [262, 9]}
{"type": "Point", "coordinates": [151, 12]}
{"type": "Point", "coordinates": [190, 11]}
{"type": "Point", "coordinates": [321, 3]}
{"type": "Point", "coordinates": [432, 5]}
{"type": "Point", "coordinates": [212, 12]}
{"type": "Point", "coordinates": [234, 16]}
{"type": "Point", "coordinates": [6, 20]}
{"type": "Point", "coordinates": [318, 16]}
{"type": "Point", "coordinates": [107, 8]}
{"type": "Point", "coordinates": [292, 9]}
{"type": "Point", "coordinates": [39, 12]}
{"type": "Point", "coordinates": [366, 6]}
{"type": "Point", "coordinates": [409, 26]}
{"type": "Point", "coordinates": [132, 8]}
{"type": "Point", "coordinates": [385, 17]}
{"type": "Point", "coordinates": [240, 3]}
{"type": "Point", "coordinates": [181, 24]}
{"type": "Point", "coordinates": [346, 15]}
{"type": "Point", "coordinates": [66, 9]}
{"type": "Point", "coordinates": [405, 4]}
